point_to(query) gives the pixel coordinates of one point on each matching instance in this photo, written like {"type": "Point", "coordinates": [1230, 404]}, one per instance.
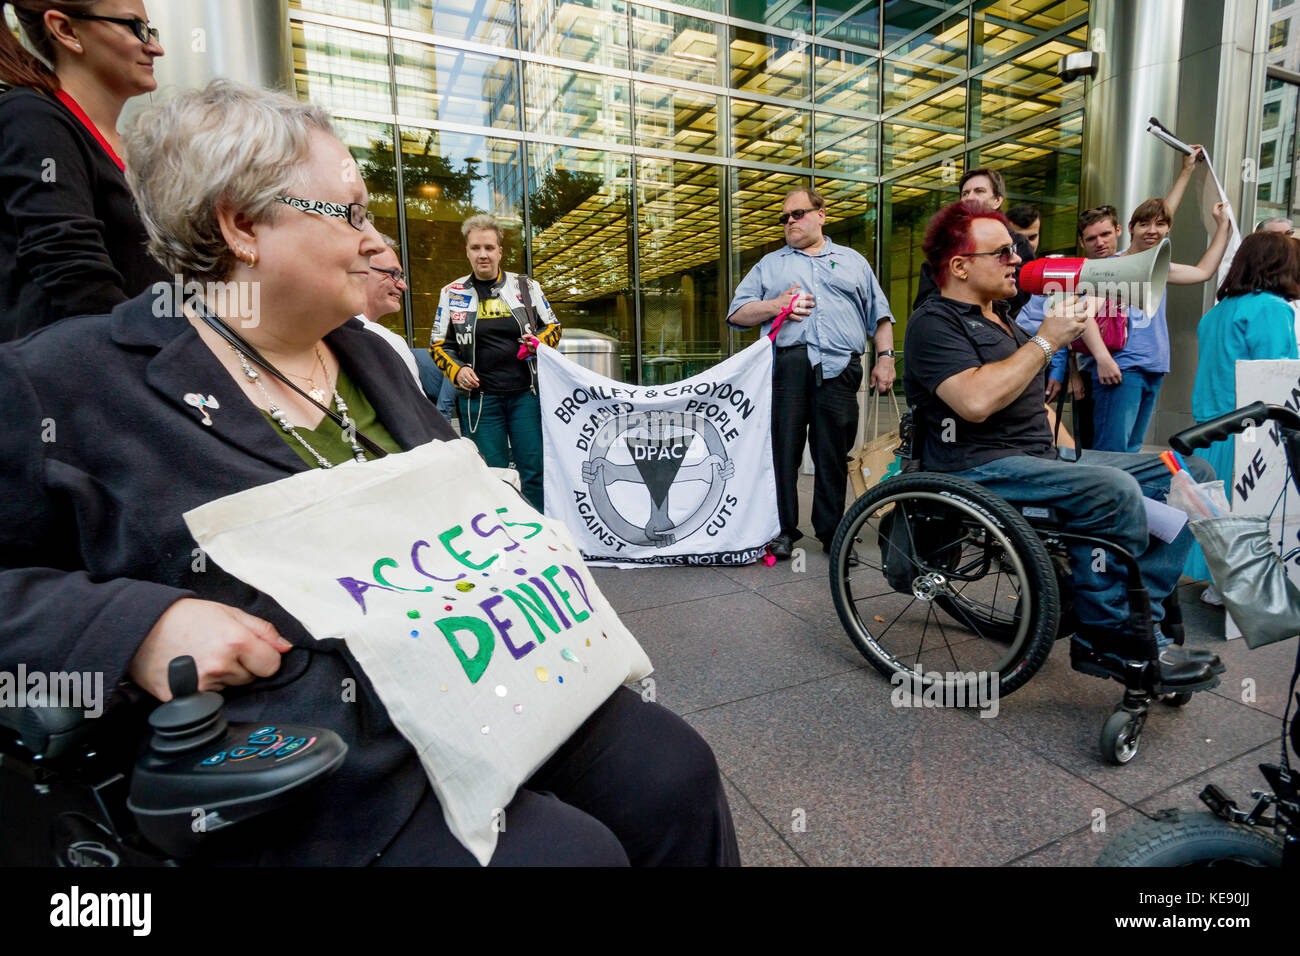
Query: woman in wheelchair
{"type": "Point", "coordinates": [975, 382]}
{"type": "Point", "coordinates": [115, 425]}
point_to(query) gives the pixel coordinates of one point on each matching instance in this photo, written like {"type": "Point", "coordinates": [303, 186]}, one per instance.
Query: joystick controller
{"type": "Point", "coordinates": [200, 774]}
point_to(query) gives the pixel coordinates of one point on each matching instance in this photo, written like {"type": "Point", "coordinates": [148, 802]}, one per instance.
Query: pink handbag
{"type": "Point", "coordinates": [1112, 320]}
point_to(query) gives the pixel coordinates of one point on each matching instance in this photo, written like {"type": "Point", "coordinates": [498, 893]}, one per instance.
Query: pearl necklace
{"type": "Point", "coordinates": [278, 416]}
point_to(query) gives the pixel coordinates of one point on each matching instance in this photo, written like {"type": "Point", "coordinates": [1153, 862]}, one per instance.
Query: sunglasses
{"type": "Point", "coordinates": [143, 32]}
{"type": "Point", "coordinates": [397, 275]}
{"type": "Point", "coordinates": [795, 214]}
{"type": "Point", "coordinates": [1005, 254]}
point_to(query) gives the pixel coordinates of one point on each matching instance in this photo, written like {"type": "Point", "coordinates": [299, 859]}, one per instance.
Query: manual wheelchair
{"type": "Point", "coordinates": [938, 581]}
{"type": "Point", "coordinates": [85, 793]}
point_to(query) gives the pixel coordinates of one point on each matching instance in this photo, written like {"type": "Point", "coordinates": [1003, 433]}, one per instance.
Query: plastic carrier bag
{"type": "Point", "coordinates": [1250, 575]}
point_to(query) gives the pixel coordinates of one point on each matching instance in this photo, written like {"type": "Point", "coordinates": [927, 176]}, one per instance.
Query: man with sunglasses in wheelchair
{"type": "Point", "coordinates": [975, 383]}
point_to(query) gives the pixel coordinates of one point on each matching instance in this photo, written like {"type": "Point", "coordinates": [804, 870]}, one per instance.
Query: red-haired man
{"type": "Point", "coordinates": [975, 381]}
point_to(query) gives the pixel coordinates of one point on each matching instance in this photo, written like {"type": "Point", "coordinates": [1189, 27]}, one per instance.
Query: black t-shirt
{"type": "Point", "coordinates": [496, 345]}
{"type": "Point", "coordinates": [945, 337]}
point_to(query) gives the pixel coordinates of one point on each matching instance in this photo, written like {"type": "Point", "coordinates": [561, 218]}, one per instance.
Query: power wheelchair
{"type": "Point", "coordinates": [947, 588]}
{"type": "Point", "coordinates": [86, 793]}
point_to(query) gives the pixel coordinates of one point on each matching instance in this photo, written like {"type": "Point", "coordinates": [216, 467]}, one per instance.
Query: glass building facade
{"type": "Point", "coordinates": [637, 153]}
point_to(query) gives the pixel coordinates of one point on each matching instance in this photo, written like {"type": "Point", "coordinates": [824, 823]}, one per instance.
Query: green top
{"type": "Point", "coordinates": [327, 437]}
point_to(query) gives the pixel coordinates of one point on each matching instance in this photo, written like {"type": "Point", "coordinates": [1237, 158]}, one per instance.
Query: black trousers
{"type": "Point", "coordinates": [826, 417]}
{"type": "Point", "coordinates": [634, 784]}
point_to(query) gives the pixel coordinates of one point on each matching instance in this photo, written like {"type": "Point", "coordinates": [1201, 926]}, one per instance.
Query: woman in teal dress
{"type": "Point", "coordinates": [1253, 320]}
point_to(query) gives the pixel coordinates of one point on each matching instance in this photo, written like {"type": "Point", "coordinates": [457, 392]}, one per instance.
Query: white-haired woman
{"type": "Point", "coordinates": [70, 240]}
{"type": "Point", "coordinates": [484, 336]}
{"type": "Point", "coordinates": [243, 189]}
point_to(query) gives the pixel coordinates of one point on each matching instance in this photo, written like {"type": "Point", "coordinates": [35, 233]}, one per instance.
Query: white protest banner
{"type": "Point", "coordinates": [476, 622]}
{"type": "Point", "coordinates": [662, 474]}
{"type": "Point", "coordinates": [1259, 461]}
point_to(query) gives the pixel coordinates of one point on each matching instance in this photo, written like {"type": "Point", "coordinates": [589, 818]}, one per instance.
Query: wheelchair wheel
{"type": "Point", "coordinates": [1121, 736]}
{"type": "Point", "coordinates": [1201, 839]}
{"type": "Point", "coordinates": [951, 585]}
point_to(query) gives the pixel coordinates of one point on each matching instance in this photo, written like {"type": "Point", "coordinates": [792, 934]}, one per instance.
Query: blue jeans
{"type": "Point", "coordinates": [437, 387]}
{"type": "Point", "coordinates": [1101, 495]}
{"type": "Point", "coordinates": [505, 426]}
{"type": "Point", "coordinates": [1121, 413]}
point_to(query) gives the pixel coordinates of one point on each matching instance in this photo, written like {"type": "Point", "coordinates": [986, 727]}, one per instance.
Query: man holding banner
{"type": "Point", "coordinates": [837, 304]}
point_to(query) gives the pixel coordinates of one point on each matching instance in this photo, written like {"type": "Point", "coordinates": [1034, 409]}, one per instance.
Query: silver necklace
{"type": "Point", "coordinates": [278, 416]}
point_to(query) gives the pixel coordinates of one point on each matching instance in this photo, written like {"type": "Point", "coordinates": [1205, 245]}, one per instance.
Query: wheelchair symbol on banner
{"type": "Point", "coordinates": [657, 450]}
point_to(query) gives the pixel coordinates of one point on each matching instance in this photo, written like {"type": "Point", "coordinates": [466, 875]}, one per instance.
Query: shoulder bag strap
{"type": "Point", "coordinates": [241, 345]}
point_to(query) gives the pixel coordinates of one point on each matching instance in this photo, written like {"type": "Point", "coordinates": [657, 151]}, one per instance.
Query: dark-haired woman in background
{"type": "Point", "coordinates": [1253, 320]}
{"type": "Point", "coordinates": [71, 241]}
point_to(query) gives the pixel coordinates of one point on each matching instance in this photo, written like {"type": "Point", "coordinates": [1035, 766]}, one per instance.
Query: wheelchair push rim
{"type": "Point", "coordinates": [981, 603]}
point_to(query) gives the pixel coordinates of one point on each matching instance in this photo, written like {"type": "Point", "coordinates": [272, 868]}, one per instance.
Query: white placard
{"type": "Point", "coordinates": [1259, 462]}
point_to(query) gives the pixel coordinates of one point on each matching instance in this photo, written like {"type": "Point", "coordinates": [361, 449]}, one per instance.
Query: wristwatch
{"type": "Point", "coordinates": [880, 352]}
{"type": "Point", "coordinates": [1046, 346]}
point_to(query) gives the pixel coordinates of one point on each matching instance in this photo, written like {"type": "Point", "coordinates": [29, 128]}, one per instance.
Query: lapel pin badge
{"type": "Point", "coordinates": [202, 404]}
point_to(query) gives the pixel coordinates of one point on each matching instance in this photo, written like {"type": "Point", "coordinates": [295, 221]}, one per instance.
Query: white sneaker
{"type": "Point", "coordinates": [1212, 597]}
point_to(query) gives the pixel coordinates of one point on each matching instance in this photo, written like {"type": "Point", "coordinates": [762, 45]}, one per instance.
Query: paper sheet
{"type": "Point", "coordinates": [1163, 521]}
{"type": "Point", "coordinates": [1212, 193]}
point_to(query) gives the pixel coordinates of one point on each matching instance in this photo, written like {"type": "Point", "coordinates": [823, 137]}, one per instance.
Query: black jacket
{"type": "Point", "coordinates": [71, 239]}
{"type": "Point", "coordinates": [925, 286]}
{"type": "Point", "coordinates": [99, 458]}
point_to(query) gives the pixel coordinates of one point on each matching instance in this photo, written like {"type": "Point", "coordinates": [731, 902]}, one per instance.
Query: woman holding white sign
{"type": "Point", "coordinates": [1252, 320]}
{"type": "Point", "coordinates": [177, 404]}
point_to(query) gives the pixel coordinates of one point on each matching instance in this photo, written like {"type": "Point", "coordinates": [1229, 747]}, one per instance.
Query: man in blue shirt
{"type": "Point", "coordinates": [816, 360]}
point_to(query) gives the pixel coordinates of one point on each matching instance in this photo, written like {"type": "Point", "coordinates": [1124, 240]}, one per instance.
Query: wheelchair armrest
{"type": "Point", "coordinates": [48, 732]}
{"type": "Point", "coordinates": [52, 733]}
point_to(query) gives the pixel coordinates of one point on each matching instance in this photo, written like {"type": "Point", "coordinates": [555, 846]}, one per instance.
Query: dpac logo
{"type": "Point", "coordinates": [656, 477]}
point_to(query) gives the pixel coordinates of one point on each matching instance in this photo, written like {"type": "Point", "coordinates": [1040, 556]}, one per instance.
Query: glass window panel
{"type": "Point", "coordinates": [756, 199]}
{"type": "Point", "coordinates": [1275, 177]}
{"type": "Point", "coordinates": [683, 120]}
{"type": "Point", "coordinates": [446, 178]}
{"type": "Point", "coordinates": [563, 102]}
{"type": "Point", "coordinates": [439, 83]}
{"type": "Point", "coordinates": [371, 145]}
{"type": "Point", "coordinates": [763, 133]}
{"type": "Point", "coordinates": [487, 21]}
{"type": "Point", "coordinates": [905, 82]}
{"type": "Point", "coordinates": [340, 69]}
{"type": "Point", "coordinates": [1042, 168]}
{"type": "Point", "coordinates": [848, 80]}
{"type": "Point", "coordinates": [906, 145]}
{"type": "Point", "coordinates": [371, 10]}
{"type": "Point", "coordinates": [851, 215]}
{"type": "Point", "coordinates": [906, 210]}
{"type": "Point", "coordinates": [681, 268]}
{"type": "Point", "coordinates": [790, 14]}
{"type": "Point", "coordinates": [852, 21]}
{"type": "Point", "coordinates": [767, 64]}
{"type": "Point", "coordinates": [998, 26]}
{"type": "Point", "coordinates": [942, 42]}
{"type": "Point", "coordinates": [589, 31]}
{"type": "Point", "coordinates": [945, 108]}
{"type": "Point", "coordinates": [1021, 89]}
{"type": "Point", "coordinates": [846, 145]}
{"type": "Point", "coordinates": [670, 44]}
{"type": "Point", "coordinates": [578, 203]}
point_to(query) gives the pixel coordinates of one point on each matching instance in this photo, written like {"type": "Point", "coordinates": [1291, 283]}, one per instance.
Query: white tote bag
{"type": "Point", "coordinates": [472, 615]}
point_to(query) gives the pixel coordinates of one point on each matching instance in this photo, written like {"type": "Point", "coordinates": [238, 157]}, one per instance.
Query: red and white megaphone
{"type": "Point", "coordinates": [1137, 280]}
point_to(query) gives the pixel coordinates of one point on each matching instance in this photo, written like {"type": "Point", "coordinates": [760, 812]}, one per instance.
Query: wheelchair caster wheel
{"type": "Point", "coordinates": [1176, 700]}
{"type": "Point", "coordinates": [1120, 735]}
